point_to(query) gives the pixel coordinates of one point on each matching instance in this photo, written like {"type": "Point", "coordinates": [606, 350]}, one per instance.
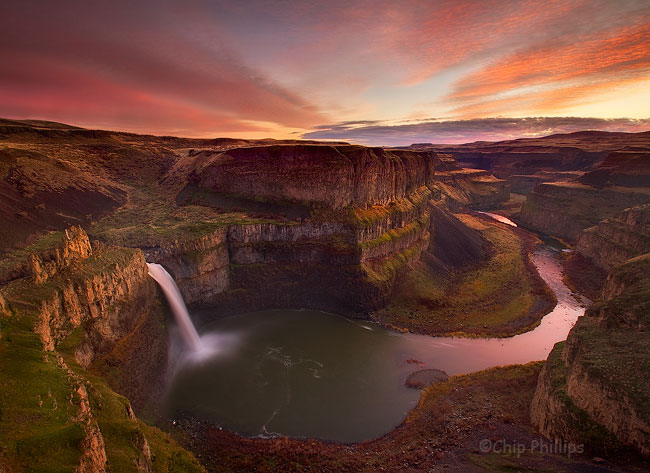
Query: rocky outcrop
{"type": "Point", "coordinates": [74, 245]}
{"type": "Point", "coordinates": [200, 265]}
{"type": "Point", "coordinates": [106, 298]}
{"type": "Point", "coordinates": [593, 388]}
{"type": "Point", "coordinates": [59, 250]}
{"type": "Point", "coordinates": [565, 209]}
{"type": "Point", "coordinates": [83, 309]}
{"type": "Point", "coordinates": [617, 239]}
{"type": "Point", "coordinates": [306, 174]}
{"type": "Point", "coordinates": [93, 299]}
{"type": "Point", "coordinates": [621, 168]}
{"type": "Point", "coordinates": [343, 261]}
{"type": "Point", "coordinates": [424, 378]}
{"type": "Point", "coordinates": [472, 188]}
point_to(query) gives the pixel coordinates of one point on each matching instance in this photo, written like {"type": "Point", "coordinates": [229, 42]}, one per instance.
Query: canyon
{"type": "Point", "coordinates": [386, 235]}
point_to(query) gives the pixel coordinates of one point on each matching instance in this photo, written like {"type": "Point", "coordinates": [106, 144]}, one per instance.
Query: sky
{"type": "Point", "coordinates": [373, 72]}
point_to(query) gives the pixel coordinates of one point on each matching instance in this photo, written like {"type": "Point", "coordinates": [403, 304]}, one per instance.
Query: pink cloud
{"type": "Point", "coordinates": [105, 68]}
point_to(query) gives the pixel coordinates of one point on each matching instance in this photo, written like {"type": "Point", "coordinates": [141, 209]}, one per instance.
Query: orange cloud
{"type": "Point", "coordinates": [576, 71]}
{"type": "Point", "coordinates": [468, 30]}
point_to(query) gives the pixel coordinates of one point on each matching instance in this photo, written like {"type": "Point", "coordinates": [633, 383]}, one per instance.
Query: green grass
{"type": "Point", "coordinates": [36, 422]}
{"type": "Point", "coordinates": [397, 233]}
{"type": "Point", "coordinates": [483, 300]}
{"type": "Point", "coordinates": [377, 213]}
{"type": "Point", "coordinates": [21, 255]}
{"type": "Point", "coordinates": [40, 426]}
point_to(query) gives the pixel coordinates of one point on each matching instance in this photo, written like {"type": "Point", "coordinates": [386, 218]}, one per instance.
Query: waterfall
{"type": "Point", "coordinates": [169, 287]}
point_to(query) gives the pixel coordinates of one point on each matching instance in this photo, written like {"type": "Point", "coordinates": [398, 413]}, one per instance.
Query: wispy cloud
{"type": "Point", "coordinates": [566, 74]}
{"type": "Point", "coordinates": [220, 67]}
{"type": "Point", "coordinates": [90, 62]}
{"type": "Point", "coordinates": [464, 131]}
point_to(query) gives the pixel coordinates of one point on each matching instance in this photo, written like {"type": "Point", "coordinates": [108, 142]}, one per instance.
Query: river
{"type": "Point", "coordinates": [305, 373]}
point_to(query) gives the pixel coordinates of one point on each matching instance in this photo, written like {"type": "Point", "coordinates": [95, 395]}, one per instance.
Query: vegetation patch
{"type": "Point", "coordinates": [376, 213]}
{"type": "Point", "coordinates": [500, 297]}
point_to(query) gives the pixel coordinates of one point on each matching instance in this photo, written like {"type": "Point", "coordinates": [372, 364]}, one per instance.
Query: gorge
{"type": "Point", "coordinates": [264, 252]}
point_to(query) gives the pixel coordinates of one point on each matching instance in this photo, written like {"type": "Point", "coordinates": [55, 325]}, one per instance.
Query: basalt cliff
{"type": "Point", "coordinates": [565, 209]}
{"type": "Point", "coordinates": [593, 388]}
{"type": "Point", "coordinates": [240, 225]}
{"type": "Point", "coordinates": [527, 162]}
{"type": "Point", "coordinates": [75, 319]}
{"type": "Point", "coordinates": [311, 247]}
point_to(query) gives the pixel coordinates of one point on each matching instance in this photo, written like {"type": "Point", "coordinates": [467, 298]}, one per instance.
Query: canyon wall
{"type": "Point", "coordinates": [309, 174]}
{"type": "Point", "coordinates": [82, 311]}
{"type": "Point", "coordinates": [617, 239]}
{"type": "Point", "coordinates": [565, 209]}
{"type": "Point", "coordinates": [92, 299]}
{"type": "Point", "coordinates": [344, 261]}
{"type": "Point", "coordinates": [593, 387]}
{"type": "Point", "coordinates": [340, 222]}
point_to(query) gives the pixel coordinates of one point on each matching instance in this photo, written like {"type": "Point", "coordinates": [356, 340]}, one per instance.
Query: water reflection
{"type": "Point", "coordinates": [311, 374]}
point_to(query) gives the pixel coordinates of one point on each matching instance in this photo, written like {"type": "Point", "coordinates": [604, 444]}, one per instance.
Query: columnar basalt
{"type": "Point", "coordinates": [343, 263]}
{"type": "Point", "coordinates": [199, 265]}
{"type": "Point", "coordinates": [308, 174]}
{"type": "Point", "coordinates": [347, 220]}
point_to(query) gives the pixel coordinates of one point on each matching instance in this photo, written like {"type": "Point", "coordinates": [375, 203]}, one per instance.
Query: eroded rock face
{"type": "Point", "coordinates": [100, 297]}
{"type": "Point", "coordinates": [455, 245]}
{"type": "Point", "coordinates": [345, 263]}
{"type": "Point", "coordinates": [108, 303]}
{"type": "Point", "coordinates": [349, 218]}
{"type": "Point", "coordinates": [617, 239]}
{"type": "Point", "coordinates": [593, 388]}
{"type": "Point", "coordinates": [320, 175]}
{"type": "Point", "coordinates": [74, 245]}
{"type": "Point", "coordinates": [621, 168]}
{"type": "Point", "coordinates": [199, 265]}
{"type": "Point", "coordinates": [565, 209]}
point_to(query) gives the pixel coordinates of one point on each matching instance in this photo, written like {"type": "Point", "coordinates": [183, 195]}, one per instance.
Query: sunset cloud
{"type": "Point", "coordinates": [93, 65]}
{"type": "Point", "coordinates": [571, 72]}
{"type": "Point", "coordinates": [259, 68]}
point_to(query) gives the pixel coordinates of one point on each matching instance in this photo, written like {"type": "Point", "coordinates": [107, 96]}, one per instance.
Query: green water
{"type": "Point", "coordinates": [298, 373]}
{"type": "Point", "coordinates": [305, 373]}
